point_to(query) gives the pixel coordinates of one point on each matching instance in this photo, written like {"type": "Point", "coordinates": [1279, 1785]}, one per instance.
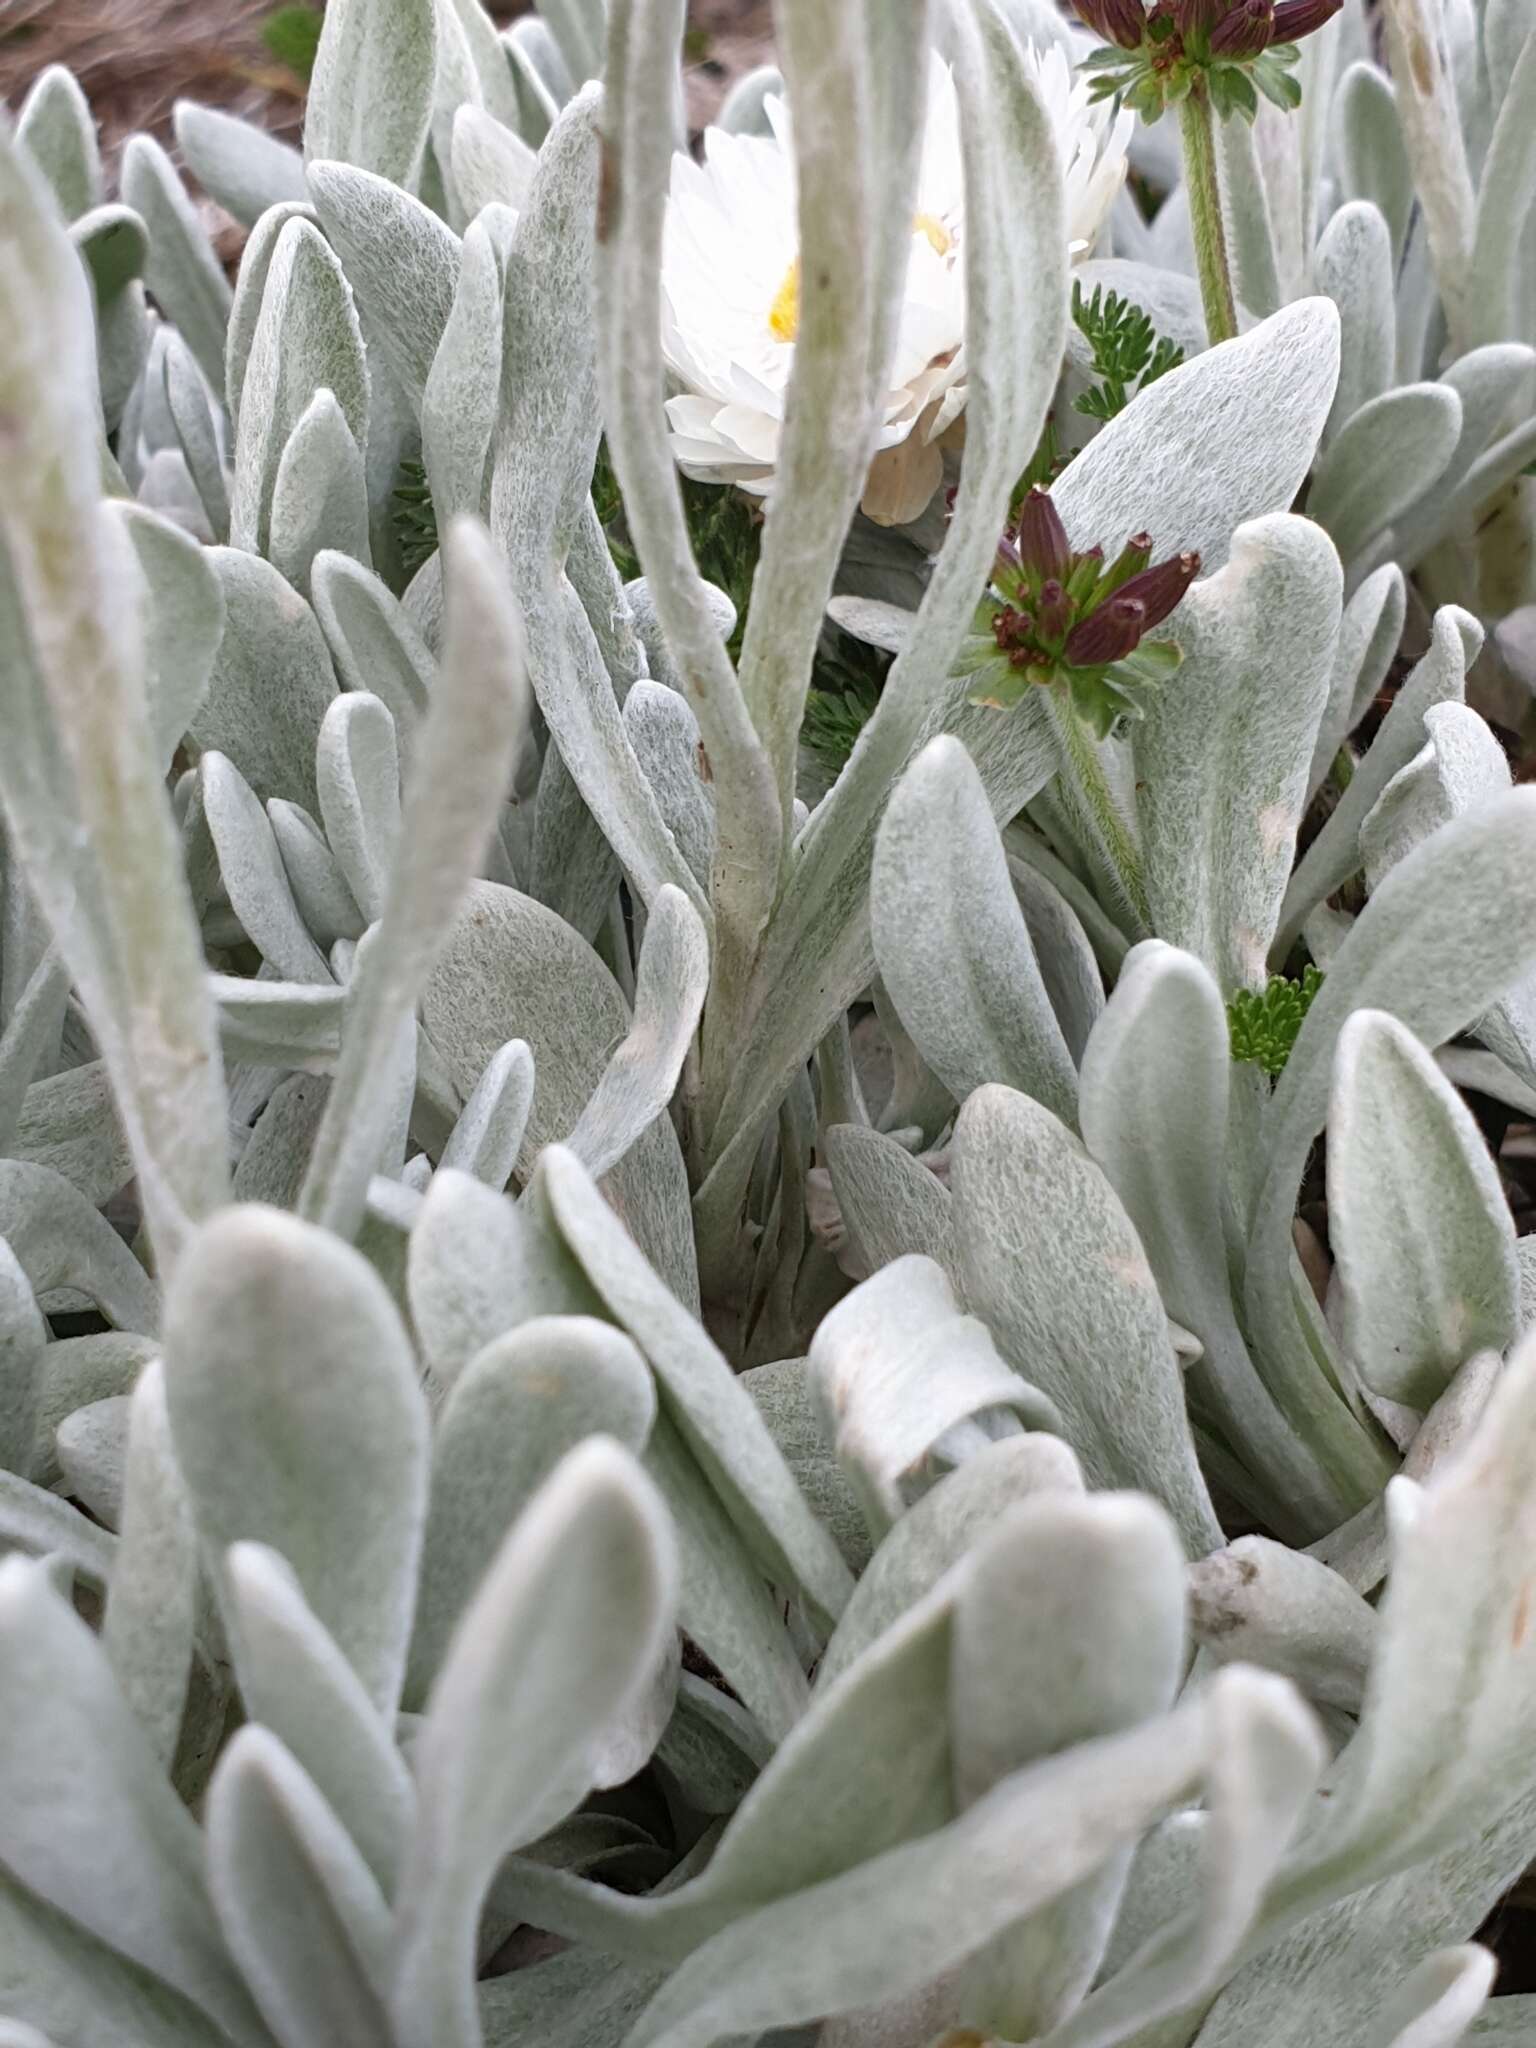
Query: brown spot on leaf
{"type": "Point", "coordinates": [607, 189]}
{"type": "Point", "coordinates": [1421, 62]}
{"type": "Point", "coordinates": [1522, 1621]}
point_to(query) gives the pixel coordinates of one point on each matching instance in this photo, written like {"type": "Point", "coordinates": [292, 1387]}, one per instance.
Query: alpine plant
{"type": "Point", "coordinates": [786, 1308]}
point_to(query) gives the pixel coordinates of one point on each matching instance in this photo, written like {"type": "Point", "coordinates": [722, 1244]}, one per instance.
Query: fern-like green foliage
{"type": "Point", "coordinates": [292, 34]}
{"type": "Point", "coordinates": [841, 701]}
{"type": "Point", "coordinates": [1128, 352]}
{"type": "Point", "coordinates": [415, 516]}
{"type": "Point", "coordinates": [1264, 1024]}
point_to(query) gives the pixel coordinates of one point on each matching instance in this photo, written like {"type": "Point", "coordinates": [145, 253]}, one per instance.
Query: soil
{"type": "Point", "coordinates": [136, 58]}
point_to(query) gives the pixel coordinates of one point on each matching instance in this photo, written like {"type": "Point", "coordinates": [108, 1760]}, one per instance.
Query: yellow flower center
{"type": "Point", "coordinates": [784, 313]}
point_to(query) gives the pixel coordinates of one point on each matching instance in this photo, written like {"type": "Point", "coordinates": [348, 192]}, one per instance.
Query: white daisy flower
{"type": "Point", "coordinates": [730, 289]}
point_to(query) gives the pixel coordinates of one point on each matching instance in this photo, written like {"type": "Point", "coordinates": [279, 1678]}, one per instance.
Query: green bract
{"type": "Point", "coordinates": [657, 1386]}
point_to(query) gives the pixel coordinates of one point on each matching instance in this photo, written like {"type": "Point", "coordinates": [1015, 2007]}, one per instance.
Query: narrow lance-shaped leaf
{"type": "Point", "coordinates": [82, 790]}
{"type": "Point", "coordinates": [460, 767]}
{"type": "Point", "coordinates": [1421, 1231]}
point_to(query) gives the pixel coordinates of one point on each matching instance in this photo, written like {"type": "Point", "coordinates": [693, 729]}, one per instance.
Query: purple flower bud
{"type": "Point", "coordinates": [1130, 561]}
{"type": "Point", "coordinates": [1160, 590]}
{"type": "Point", "coordinates": [1118, 21]}
{"type": "Point", "coordinates": [1297, 18]}
{"type": "Point", "coordinates": [1107, 634]}
{"type": "Point", "coordinates": [1196, 16]}
{"type": "Point", "coordinates": [1011, 628]}
{"type": "Point", "coordinates": [1054, 613]}
{"type": "Point", "coordinates": [1086, 569]}
{"type": "Point", "coordinates": [1044, 548]}
{"type": "Point", "coordinates": [1244, 30]}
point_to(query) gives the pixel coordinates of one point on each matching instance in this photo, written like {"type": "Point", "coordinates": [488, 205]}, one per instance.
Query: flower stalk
{"type": "Point", "coordinates": [1197, 134]}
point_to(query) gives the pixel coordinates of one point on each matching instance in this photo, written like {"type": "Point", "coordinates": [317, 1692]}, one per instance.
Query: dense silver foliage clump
{"type": "Point", "coordinates": [633, 1414]}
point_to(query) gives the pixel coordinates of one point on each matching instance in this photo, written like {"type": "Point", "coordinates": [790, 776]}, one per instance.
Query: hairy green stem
{"type": "Point", "coordinates": [1197, 131]}
{"type": "Point", "coordinates": [1096, 815]}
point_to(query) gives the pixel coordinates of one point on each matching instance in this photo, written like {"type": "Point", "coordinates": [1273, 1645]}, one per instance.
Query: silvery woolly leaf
{"type": "Point", "coordinates": [253, 874]}
{"type": "Point", "coordinates": [115, 1848]}
{"type": "Point", "coordinates": [1499, 277]}
{"type": "Point", "coordinates": [938, 1530]}
{"type": "Point", "coordinates": [38, 1524]}
{"type": "Point", "coordinates": [1372, 161]}
{"type": "Point", "coordinates": [272, 681]}
{"type": "Point", "coordinates": [891, 1203]}
{"type": "Point", "coordinates": [511, 965]}
{"type": "Point", "coordinates": [77, 1371]}
{"type": "Point", "coordinates": [1369, 635]}
{"type": "Point", "coordinates": [243, 167]}
{"type": "Point", "coordinates": [492, 164]}
{"type": "Point", "coordinates": [463, 387]}
{"type": "Point", "coordinates": [16, 2034]}
{"type": "Point", "coordinates": [1221, 773]}
{"type": "Point", "coordinates": [299, 1909]}
{"type": "Point", "coordinates": [357, 768]}
{"type": "Point", "coordinates": [183, 272]}
{"type": "Point", "coordinates": [1434, 1765]}
{"type": "Point", "coordinates": [113, 244]}
{"type": "Point", "coordinates": [320, 493]}
{"type": "Point", "coordinates": [1438, 677]}
{"type": "Point", "coordinates": [517, 1409]}
{"type": "Point", "coordinates": [665, 736]}
{"type": "Point", "coordinates": [488, 1135]}
{"type": "Point", "coordinates": [951, 942]}
{"type": "Point", "coordinates": [784, 1399]}
{"type": "Point", "coordinates": [1438, 2001]}
{"type": "Point", "coordinates": [576, 1999]}
{"type": "Point", "coordinates": [1353, 265]}
{"type": "Point", "coordinates": [299, 1422]}
{"type": "Point", "coordinates": [1390, 454]}
{"type": "Point", "coordinates": [1494, 386]}
{"type": "Point", "coordinates": [1422, 1238]}
{"type": "Point", "coordinates": [23, 1340]}
{"type": "Point", "coordinates": [478, 1266]}
{"type": "Point", "coordinates": [306, 339]}
{"type": "Point", "coordinates": [566, 1627]}
{"type": "Point", "coordinates": [295, 1681]}
{"type": "Point", "coordinates": [724, 1602]}
{"type": "Point", "coordinates": [1048, 1258]}
{"type": "Point", "coordinates": [59, 1240]}
{"type": "Point", "coordinates": [373, 640]}
{"type": "Point", "coordinates": [897, 1921]}
{"type": "Point", "coordinates": [459, 770]}
{"type": "Point", "coordinates": [1258, 1603]}
{"type": "Point", "coordinates": [199, 433]}
{"type": "Point", "coordinates": [894, 1367]}
{"type": "Point", "coordinates": [370, 98]}
{"type": "Point", "coordinates": [1182, 455]}
{"type": "Point", "coordinates": [250, 289]}
{"type": "Point", "coordinates": [293, 1024]}
{"type": "Point", "coordinates": [78, 737]}
{"type": "Point", "coordinates": [714, 1413]}
{"type": "Point", "coordinates": [56, 129]}
{"type": "Point", "coordinates": [1447, 930]}
{"type": "Point", "coordinates": [62, 1978]}
{"type": "Point", "coordinates": [152, 1600]}
{"type": "Point", "coordinates": [401, 261]}
{"type": "Point", "coordinates": [671, 978]}
{"type": "Point", "coordinates": [1265, 1755]}
{"type": "Point", "coordinates": [93, 1445]}
{"type": "Point", "coordinates": [1100, 1579]}
{"type": "Point", "coordinates": [326, 904]}
{"type": "Point", "coordinates": [1155, 1105]}
{"type": "Point", "coordinates": [1510, 2020]}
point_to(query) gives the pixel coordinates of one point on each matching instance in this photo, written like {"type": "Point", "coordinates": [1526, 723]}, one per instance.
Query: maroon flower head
{"type": "Point", "coordinates": [1158, 591]}
{"type": "Point", "coordinates": [1244, 30]}
{"type": "Point", "coordinates": [1055, 612]}
{"type": "Point", "coordinates": [1042, 539]}
{"type": "Point", "coordinates": [1297, 18]}
{"type": "Point", "coordinates": [1107, 634]}
{"type": "Point", "coordinates": [1194, 15]}
{"type": "Point", "coordinates": [1118, 21]}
